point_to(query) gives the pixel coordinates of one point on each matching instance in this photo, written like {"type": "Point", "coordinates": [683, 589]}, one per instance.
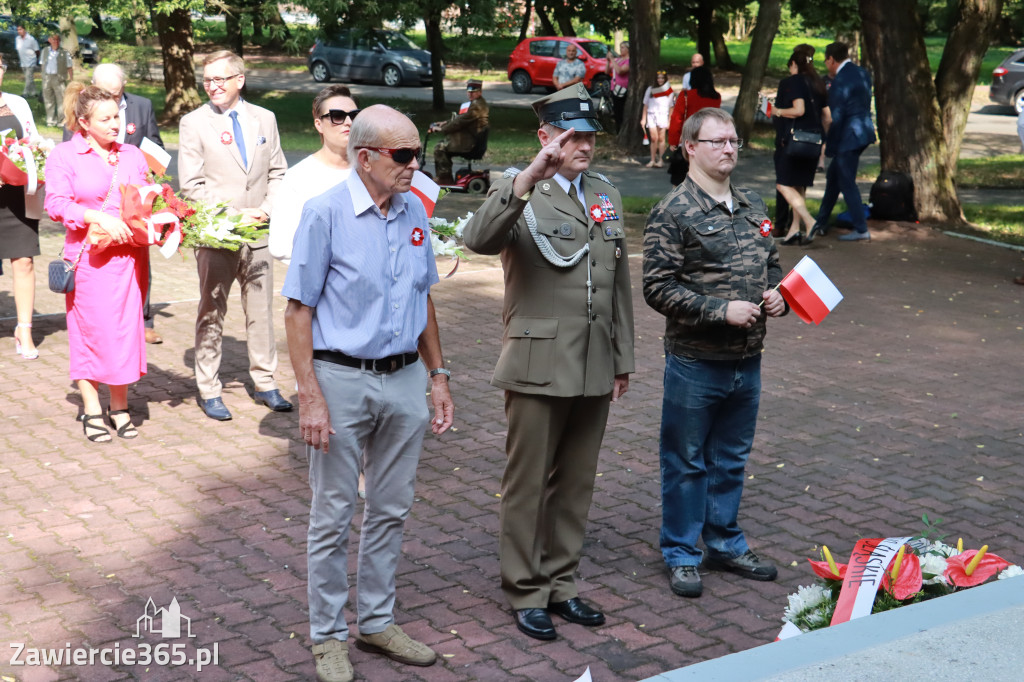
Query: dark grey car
{"type": "Point", "coordinates": [1008, 82]}
{"type": "Point", "coordinates": [370, 55]}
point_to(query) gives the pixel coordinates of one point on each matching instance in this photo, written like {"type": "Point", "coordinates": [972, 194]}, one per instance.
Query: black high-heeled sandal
{"type": "Point", "coordinates": [100, 433]}
{"type": "Point", "coordinates": [126, 430]}
{"type": "Point", "coordinates": [797, 238]}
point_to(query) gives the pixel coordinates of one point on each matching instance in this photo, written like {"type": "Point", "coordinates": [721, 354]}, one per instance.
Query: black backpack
{"type": "Point", "coordinates": [892, 197]}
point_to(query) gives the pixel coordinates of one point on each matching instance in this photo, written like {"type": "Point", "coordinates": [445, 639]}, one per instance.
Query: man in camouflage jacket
{"type": "Point", "coordinates": [711, 268]}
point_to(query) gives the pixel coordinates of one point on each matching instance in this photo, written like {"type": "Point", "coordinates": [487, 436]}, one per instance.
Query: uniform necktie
{"type": "Point", "coordinates": [575, 197]}
{"type": "Point", "coordinates": [239, 140]}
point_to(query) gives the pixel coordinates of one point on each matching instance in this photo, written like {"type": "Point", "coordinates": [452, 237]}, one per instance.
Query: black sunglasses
{"type": "Point", "coordinates": [338, 116]}
{"type": "Point", "coordinates": [403, 156]}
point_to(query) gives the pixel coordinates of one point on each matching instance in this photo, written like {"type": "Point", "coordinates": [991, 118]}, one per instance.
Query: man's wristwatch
{"type": "Point", "coordinates": [441, 370]}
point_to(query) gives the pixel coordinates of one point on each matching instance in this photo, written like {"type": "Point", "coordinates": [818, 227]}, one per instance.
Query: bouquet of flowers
{"type": "Point", "coordinates": [157, 216]}
{"type": "Point", "coordinates": [22, 162]}
{"type": "Point", "coordinates": [892, 572]}
{"type": "Point", "coordinates": [445, 236]}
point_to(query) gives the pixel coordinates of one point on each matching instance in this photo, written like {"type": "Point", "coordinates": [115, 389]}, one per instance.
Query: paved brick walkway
{"type": "Point", "coordinates": [907, 400]}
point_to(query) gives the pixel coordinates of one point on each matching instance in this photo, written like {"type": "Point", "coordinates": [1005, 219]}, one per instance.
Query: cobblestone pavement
{"type": "Point", "coordinates": [905, 401]}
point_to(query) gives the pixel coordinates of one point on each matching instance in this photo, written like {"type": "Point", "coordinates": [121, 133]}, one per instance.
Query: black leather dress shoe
{"type": "Point", "coordinates": [215, 409]}
{"type": "Point", "coordinates": [273, 399]}
{"type": "Point", "coordinates": [576, 611]}
{"type": "Point", "coordinates": [535, 623]}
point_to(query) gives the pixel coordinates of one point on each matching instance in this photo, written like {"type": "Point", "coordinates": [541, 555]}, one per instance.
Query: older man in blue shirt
{"type": "Point", "coordinates": [362, 335]}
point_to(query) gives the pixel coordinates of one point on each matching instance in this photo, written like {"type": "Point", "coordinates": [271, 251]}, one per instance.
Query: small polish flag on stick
{"type": "Point", "coordinates": [156, 156]}
{"type": "Point", "coordinates": [464, 107]}
{"type": "Point", "coordinates": [765, 105]}
{"type": "Point", "coordinates": [810, 294]}
{"type": "Point", "coordinates": [427, 190]}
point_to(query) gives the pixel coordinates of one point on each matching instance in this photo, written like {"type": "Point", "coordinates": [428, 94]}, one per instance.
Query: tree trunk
{"type": "Point", "coordinates": [97, 21]}
{"type": "Point", "coordinates": [563, 15]}
{"type": "Point", "coordinates": [435, 45]}
{"type": "Point", "coordinates": [704, 15]}
{"type": "Point", "coordinates": [139, 23]}
{"type": "Point", "coordinates": [524, 27]}
{"type": "Point", "coordinates": [545, 22]}
{"type": "Point", "coordinates": [722, 59]}
{"type": "Point", "coordinates": [272, 19]}
{"type": "Point", "coordinates": [69, 40]}
{"type": "Point", "coordinates": [768, 15]}
{"type": "Point", "coordinates": [644, 57]}
{"type": "Point", "coordinates": [907, 110]}
{"type": "Point", "coordinates": [233, 29]}
{"type": "Point", "coordinates": [178, 47]}
{"type": "Point", "coordinates": [974, 26]}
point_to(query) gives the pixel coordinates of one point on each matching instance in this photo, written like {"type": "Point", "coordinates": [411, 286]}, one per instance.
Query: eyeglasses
{"type": "Point", "coordinates": [405, 155]}
{"type": "Point", "coordinates": [338, 116]}
{"type": "Point", "coordinates": [218, 81]}
{"type": "Point", "coordinates": [720, 144]}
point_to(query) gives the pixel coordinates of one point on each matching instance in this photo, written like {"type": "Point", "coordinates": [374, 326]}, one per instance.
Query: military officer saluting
{"type": "Point", "coordinates": [567, 353]}
{"type": "Point", "coordinates": [461, 131]}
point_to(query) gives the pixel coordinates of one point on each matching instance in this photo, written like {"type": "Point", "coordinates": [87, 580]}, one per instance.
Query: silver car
{"type": "Point", "coordinates": [370, 55]}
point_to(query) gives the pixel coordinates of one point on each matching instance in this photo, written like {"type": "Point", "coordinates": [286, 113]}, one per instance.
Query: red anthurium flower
{"type": "Point", "coordinates": [822, 570]}
{"type": "Point", "coordinates": [956, 568]}
{"type": "Point", "coordinates": [908, 582]}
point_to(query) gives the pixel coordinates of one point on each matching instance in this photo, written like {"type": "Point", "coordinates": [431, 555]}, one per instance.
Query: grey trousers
{"type": "Point", "coordinates": [218, 269]}
{"type": "Point", "coordinates": [30, 81]}
{"type": "Point", "coordinates": [53, 98]}
{"type": "Point", "coordinates": [380, 419]}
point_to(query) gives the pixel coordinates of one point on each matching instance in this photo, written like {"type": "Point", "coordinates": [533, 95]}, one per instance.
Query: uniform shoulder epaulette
{"type": "Point", "coordinates": [600, 177]}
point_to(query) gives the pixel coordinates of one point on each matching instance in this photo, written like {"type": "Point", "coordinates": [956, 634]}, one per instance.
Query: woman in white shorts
{"type": "Point", "coordinates": [657, 103]}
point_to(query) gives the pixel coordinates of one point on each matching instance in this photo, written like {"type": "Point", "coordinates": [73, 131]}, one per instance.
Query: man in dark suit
{"type": "Point", "coordinates": [230, 151]}
{"type": "Point", "coordinates": [849, 101]}
{"type": "Point", "coordinates": [138, 121]}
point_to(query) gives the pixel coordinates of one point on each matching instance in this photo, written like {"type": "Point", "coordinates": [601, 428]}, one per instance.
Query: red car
{"type": "Point", "coordinates": [533, 61]}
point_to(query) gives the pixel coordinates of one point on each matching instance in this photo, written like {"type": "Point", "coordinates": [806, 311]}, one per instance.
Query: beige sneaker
{"type": "Point", "coordinates": [332, 663]}
{"type": "Point", "coordinates": [398, 646]}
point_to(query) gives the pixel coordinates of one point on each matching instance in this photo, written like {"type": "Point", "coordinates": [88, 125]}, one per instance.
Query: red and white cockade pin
{"type": "Point", "coordinates": [417, 236]}
{"type": "Point", "coordinates": [225, 138]}
{"type": "Point", "coordinates": [596, 213]}
{"type": "Point", "coordinates": [112, 158]}
{"type": "Point", "coordinates": [130, 128]}
{"type": "Point", "coordinates": [766, 227]}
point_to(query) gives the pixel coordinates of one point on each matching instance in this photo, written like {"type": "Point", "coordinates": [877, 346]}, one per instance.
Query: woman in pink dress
{"type": "Point", "coordinates": [104, 312]}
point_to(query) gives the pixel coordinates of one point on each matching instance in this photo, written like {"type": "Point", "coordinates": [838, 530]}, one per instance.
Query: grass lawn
{"type": "Point", "coordinates": [998, 172]}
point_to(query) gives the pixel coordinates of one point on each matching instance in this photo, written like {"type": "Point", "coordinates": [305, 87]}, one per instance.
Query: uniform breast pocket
{"type": "Point", "coordinates": [528, 356]}
{"type": "Point", "coordinates": [717, 244]}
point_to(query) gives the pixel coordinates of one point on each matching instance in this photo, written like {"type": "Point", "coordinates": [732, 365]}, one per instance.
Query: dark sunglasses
{"type": "Point", "coordinates": [338, 116]}
{"type": "Point", "coordinates": [403, 156]}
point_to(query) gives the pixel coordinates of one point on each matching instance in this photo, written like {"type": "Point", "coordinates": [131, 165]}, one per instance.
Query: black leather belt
{"type": "Point", "coordinates": [392, 363]}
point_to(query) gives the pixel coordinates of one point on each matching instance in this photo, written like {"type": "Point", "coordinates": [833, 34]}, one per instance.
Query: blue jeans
{"type": "Point", "coordinates": [841, 176]}
{"type": "Point", "coordinates": [708, 418]}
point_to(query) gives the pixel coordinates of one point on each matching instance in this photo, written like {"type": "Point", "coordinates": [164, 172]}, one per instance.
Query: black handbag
{"type": "Point", "coordinates": [61, 272]}
{"type": "Point", "coordinates": [804, 144]}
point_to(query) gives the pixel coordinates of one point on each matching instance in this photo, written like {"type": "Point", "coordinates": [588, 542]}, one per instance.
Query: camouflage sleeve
{"type": "Point", "coordinates": [665, 280]}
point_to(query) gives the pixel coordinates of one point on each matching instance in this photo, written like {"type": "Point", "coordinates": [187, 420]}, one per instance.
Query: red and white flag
{"type": "Point", "coordinates": [464, 107]}
{"type": "Point", "coordinates": [661, 91]}
{"type": "Point", "coordinates": [156, 156]}
{"type": "Point", "coordinates": [810, 294]}
{"type": "Point", "coordinates": [765, 105]}
{"type": "Point", "coordinates": [427, 190]}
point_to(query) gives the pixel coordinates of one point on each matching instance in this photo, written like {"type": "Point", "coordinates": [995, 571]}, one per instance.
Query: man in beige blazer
{"type": "Point", "coordinates": [230, 151]}
{"type": "Point", "coordinates": [566, 354]}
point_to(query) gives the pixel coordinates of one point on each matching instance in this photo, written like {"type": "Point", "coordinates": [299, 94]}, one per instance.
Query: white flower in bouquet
{"type": "Point", "coordinates": [940, 549]}
{"type": "Point", "coordinates": [220, 228]}
{"type": "Point", "coordinates": [442, 247]}
{"type": "Point", "coordinates": [933, 565]}
{"type": "Point", "coordinates": [46, 144]}
{"type": "Point", "coordinates": [805, 599]}
{"type": "Point", "coordinates": [1011, 572]}
{"type": "Point", "coordinates": [461, 224]}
